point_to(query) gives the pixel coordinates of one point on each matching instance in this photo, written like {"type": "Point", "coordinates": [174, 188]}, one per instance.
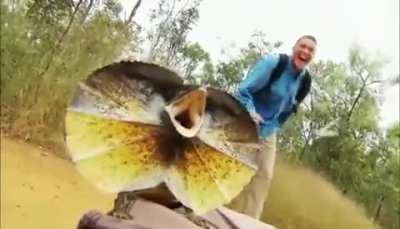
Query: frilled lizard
{"type": "Point", "coordinates": [136, 129]}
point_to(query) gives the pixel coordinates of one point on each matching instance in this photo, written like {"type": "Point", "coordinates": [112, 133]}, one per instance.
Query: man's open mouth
{"type": "Point", "coordinates": [304, 59]}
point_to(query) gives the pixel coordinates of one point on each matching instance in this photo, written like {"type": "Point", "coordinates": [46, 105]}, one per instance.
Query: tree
{"type": "Point", "coordinates": [51, 44]}
{"type": "Point", "coordinates": [173, 21]}
{"type": "Point", "coordinates": [228, 74]}
{"type": "Point", "coordinates": [193, 55]}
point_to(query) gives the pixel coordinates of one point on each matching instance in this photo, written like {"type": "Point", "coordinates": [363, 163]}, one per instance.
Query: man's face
{"type": "Point", "coordinates": [303, 53]}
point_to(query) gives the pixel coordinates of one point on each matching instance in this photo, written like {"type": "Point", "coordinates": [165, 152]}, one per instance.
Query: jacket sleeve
{"type": "Point", "coordinates": [256, 79]}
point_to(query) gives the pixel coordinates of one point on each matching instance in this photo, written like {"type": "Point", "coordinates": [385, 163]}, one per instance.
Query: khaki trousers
{"type": "Point", "coordinates": [251, 200]}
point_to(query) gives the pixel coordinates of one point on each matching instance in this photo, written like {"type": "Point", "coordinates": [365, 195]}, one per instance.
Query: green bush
{"type": "Point", "coordinates": [43, 58]}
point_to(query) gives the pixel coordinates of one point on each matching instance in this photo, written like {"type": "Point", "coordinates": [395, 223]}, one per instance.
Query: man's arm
{"type": "Point", "coordinates": [256, 79]}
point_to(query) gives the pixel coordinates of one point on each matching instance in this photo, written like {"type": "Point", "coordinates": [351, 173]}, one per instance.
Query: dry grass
{"type": "Point", "coordinates": [300, 198]}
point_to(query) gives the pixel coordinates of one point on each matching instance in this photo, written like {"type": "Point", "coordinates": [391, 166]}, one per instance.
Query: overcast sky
{"type": "Point", "coordinates": [373, 24]}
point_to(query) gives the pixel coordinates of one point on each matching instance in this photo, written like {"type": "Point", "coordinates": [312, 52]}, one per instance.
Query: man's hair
{"type": "Point", "coordinates": [311, 37]}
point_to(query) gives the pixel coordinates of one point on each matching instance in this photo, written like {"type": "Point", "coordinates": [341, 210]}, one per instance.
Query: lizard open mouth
{"type": "Point", "coordinates": [187, 112]}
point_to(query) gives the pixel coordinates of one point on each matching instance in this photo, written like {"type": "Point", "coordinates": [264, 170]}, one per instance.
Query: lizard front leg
{"type": "Point", "coordinates": [123, 204]}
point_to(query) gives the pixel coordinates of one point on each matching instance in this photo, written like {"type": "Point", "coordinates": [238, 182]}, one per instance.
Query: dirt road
{"type": "Point", "coordinates": [39, 190]}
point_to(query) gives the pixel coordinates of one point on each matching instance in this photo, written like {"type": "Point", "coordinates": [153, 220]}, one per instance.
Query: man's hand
{"type": "Point", "coordinates": [256, 117]}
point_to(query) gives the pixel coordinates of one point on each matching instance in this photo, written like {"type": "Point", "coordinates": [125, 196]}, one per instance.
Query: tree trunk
{"type": "Point", "coordinates": [304, 149]}
{"type": "Point", "coordinates": [71, 21]}
{"type": "Point", "coordinates": [53, 50]}
{"type": "Point", "coordinates": [356, 101]}
{"type": "Point", "coordinates": [379, 209]}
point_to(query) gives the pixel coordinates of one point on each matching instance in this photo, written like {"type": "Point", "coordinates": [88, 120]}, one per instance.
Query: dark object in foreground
{"type": "Point", "coordinates": [149, 215]}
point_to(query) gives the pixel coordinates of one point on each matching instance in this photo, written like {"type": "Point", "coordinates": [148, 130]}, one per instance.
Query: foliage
{"type": "Point", "coordinates": [227, 75]}
{"type": "Point", "coordinates": [172, 20]}
{"type": "Point", "coordinates": [49, 46]}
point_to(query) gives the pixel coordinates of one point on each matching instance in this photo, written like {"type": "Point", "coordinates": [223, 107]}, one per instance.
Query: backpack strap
{"type": "Point", "coordinates": [278, 70]}
{"type": "Point", "coordinates": [304, 89]}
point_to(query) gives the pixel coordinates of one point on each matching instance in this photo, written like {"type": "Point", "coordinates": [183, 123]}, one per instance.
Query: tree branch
{"type": "Point", "coordinates": [356, 101]}
{"type": "Point", "coordinates": [56, 46]}
{"type": "Point", "coordinates": [364, 85]}
{"type": "Point", "coordinates": [374, 82]}
{"type": "Point", "coordinates": [307, 139]}
{"type": "Point", "coordinates": [133, 12]}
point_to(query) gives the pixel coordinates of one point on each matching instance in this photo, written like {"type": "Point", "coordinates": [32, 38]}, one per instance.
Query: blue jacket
{"type": "Point", "coordinates": [274, 104]}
